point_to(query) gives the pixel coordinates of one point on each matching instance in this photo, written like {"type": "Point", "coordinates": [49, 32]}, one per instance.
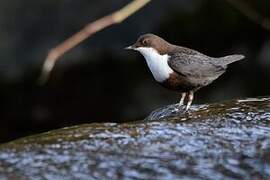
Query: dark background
{"type": "Point", "coordinates": [99, 81]}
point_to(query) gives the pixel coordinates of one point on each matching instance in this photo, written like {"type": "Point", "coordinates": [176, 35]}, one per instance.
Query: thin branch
{"type": "Point", "coordinates": [251, 13]}
{"type": "Point", "coordinates": [90, 29]}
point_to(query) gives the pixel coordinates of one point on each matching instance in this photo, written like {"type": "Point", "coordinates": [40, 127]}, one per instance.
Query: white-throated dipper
{"type": "Point", "coordinates": [179, 68]}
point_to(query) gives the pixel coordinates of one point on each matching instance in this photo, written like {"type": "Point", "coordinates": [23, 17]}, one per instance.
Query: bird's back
{"type": "Point", "coordinates": [198, 68]}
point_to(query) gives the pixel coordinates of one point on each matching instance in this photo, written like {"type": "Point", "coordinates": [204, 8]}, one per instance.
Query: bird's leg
{"type": "Point", "coordinates": [190, 99]}
{"type": "Point", "coordinates": [181, 102]}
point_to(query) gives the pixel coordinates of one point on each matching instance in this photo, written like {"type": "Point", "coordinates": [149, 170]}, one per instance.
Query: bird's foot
{"type": "Point", "coordinates": [178, 107]}
{"type": "Point", "coordinates": [179, 104]}
{"type": "Point", "coordinates": [187, 107]}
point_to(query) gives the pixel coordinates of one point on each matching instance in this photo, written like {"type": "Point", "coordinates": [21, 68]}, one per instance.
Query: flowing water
{"type": "Point", "coordinates": [229, 140]}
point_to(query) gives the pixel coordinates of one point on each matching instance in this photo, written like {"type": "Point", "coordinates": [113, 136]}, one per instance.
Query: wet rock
{"type": "Point", "coordinates": [229, 140]}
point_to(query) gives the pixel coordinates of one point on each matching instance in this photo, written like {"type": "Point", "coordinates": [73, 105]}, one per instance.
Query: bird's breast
{"type": "Point", "coordinates": [158, 64]}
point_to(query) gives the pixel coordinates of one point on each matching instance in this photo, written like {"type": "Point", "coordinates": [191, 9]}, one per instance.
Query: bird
{"type": "Point", "coordinates": [180, 68]}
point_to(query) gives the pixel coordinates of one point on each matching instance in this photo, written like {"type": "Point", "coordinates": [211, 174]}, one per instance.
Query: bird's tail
{"type": "Point", "coordinates": [230, 59]}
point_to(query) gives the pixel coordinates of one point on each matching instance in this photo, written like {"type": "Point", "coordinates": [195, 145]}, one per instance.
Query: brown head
{"type": "Point", "coordinates": [153, 41]}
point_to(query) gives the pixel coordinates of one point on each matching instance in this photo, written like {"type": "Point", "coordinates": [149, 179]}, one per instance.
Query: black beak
{"type": "Point", "coordinates": [131, 47]}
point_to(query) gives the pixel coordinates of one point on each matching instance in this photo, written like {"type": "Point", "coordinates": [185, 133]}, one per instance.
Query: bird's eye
{"type": "Point", "coordinates": [144, 42]}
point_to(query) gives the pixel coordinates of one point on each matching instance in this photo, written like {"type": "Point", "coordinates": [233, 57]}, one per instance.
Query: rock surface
{"type": "Point", "coordinates": [229, 140]}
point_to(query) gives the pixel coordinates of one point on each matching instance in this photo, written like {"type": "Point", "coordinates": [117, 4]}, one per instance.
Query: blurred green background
{"type": "Point", "coordinates": [99, 81]}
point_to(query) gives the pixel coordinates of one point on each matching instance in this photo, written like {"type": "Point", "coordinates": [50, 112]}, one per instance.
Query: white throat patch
{"type": "Point", "coordinates": [158, 64]}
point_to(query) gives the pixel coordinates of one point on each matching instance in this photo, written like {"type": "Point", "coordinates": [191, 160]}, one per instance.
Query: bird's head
{"type": "Point", "coordinates": [149, 42]}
